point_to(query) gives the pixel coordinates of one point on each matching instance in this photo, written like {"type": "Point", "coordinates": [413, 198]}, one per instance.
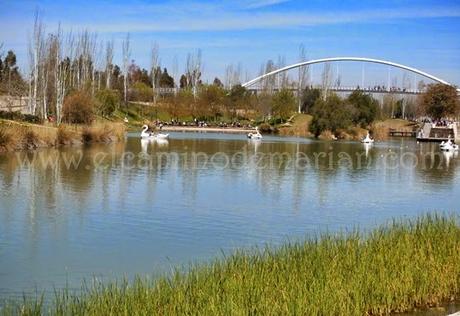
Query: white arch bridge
{"type": "Point", "coordinates": [354, 59]}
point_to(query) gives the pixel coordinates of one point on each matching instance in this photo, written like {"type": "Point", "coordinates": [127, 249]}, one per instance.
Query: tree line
{"type": "Point", "coordinates": [72, 77]}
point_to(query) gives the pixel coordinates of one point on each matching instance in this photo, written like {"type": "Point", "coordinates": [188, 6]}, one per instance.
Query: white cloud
{"type": "Point", "coordinates": [255, 4]}
{"type": "Point", "coordinates": [220, 20]}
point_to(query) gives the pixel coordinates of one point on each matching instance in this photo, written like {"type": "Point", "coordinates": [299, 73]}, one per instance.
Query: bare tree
{"type": "Point", "coordinates": [155, 76]}
{"type": "Point", "coordinates": [175, 70]}
{"type": "Point", "coordinates": [96, 65]}
{"type": "Point", "coordinates": [37, 42]}
{"type": "Point", "coordinates": [86, 50]}
{"type": "Point", "coordinates": [269, 82]}
{"type": "Point", "coordinates": [193, 70]}
{"type": "Point", "coordinates": [30, 53]}
{"type": "Point", "coordinates": [108, 63]}
{"type": "Point", "coordinates": [61, 72]}
{"type": "Point", "coordinates": [326, 79]}
{"type": "Point", "coordinates": [126, 50]}
{"type": "Point", "coordinates": [303, 76]}
{"type": "Point", "coordinates": [282, 78]}
{"type": "Point", "coordinates": [338, 78]}
{"type": "Point", "coordinates": [233, 75]}
{"type": "Point", "coordinates": [100, 64]}
{"type": "Point", "coordinates": [44, 75]}
{"type": "Point", "coordinates": [421, 85]}
{"type": "Point", "coordinates": [406, 81]}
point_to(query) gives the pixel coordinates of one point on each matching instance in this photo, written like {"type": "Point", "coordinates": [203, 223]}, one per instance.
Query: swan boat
{"type": "Point", "coordinates": [149, 135]}
{"type": "Point", "coordinates": [448, 146]}
{"type": "Point", "coordinates": [367, 140]}
{"type": "Point", "coordinates": [255, 135]}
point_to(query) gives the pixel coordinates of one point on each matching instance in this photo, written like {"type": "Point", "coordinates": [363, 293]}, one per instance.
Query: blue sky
{"type": "Point", "coordinates": [423, 34]}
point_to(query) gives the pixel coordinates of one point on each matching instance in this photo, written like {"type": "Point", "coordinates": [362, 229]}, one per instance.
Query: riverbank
{"type": "Point", "coordinates": [381, 129]}
{"type": "Point", "coordinates": [231, 130]}
{"type": "Point", "coordinates": [25, 136]}
{"type": "Point", "coordinates": [297, 126]}
{"type": "Point", "coordinates": [399, 267]}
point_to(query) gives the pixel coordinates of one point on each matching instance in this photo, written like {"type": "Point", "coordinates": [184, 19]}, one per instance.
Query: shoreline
{"type": "Point", "coordinates": [20, 136]}
{"type": "Point", "coordinates": [225, 130]}
{"type": "Point", "coordinates": [359, 273]}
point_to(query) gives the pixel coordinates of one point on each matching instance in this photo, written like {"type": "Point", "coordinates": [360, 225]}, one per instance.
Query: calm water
{"type": "Point", "coordinates": [142, 208]}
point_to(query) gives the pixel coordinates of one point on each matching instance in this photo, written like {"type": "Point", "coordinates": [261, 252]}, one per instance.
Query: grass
{"type": "Point", "coordinates": [381, 129]}
{"type": "Point", "coordinates": [5, 139]}
{"type": "Point", "coordinates": [19, 135]}
{"type": "Point", "coordinates": [103, 132]}
{"type": "Point", "coordinates": [395, 268]}
{"type": "Point", "coordinates": [299, 126]}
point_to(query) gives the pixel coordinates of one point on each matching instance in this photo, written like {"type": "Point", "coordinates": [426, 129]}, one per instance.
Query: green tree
{"type": "Point", "coordinates": [440, 101]}
{"type": "Point", "coordinates": [210, 102]}
{"type": "Point", "coordinates": [365, 108]}
{"type": "Point", "coordinates": [141, 92]}
{"type": "Point", "coordinates": [283, 104]}
{"type": "Point", "coordinates": [331, 114]}
{"type": "Point", "coordinates": [10, 78]}
{"type": "Point", "coordinates": [217, 82]}
{"type": "Point", "coordinates": [166, 81]}
{"type": "Point", "coordinates": [183, 83]}
{"type": "Point", "coordinates": [107, 101]}
{"type": "Point", "coordinates": [236, 98]}
{"type": "Point", "coordinates": [309, 97]}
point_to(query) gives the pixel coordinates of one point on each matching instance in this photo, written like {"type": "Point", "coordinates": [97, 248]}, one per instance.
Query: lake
{"type": "Point", "coordinates": [137, 207]}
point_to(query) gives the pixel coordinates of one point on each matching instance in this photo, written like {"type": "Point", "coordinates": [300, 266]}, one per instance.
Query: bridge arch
{"type": "Point", "coordinates": [332, 59]}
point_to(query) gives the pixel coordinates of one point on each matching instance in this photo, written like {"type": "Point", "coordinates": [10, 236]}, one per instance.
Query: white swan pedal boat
{"type": "Point", "coordinates": [367, 140]}
{"type": "Point", "coordinates": [145, 134]}
{"type": "Point", "coordinates": [448, 146]}
{"type": "Point", "coordinates": [255, 135]}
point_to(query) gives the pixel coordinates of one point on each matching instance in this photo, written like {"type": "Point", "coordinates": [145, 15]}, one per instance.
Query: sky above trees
{"type": "Point", "coordinates": [423, 34]}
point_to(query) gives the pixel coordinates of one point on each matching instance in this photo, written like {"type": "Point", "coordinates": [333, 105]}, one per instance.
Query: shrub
{"type": "Point", "coordinates": [5, 139]}
{"type": "Point", "coordinates": [102, 133]}
{"type": "Point", "coordinates": [87, 136]}
{"type": "Point", "coordinates": [331, 114]}
{"type": "Point", "coordinates": [18, 116]}
{"type": "Point", "coordinates": [30, 118]}
{"type": "Point", "coordinates": [78, 108]}
{"type": "Point", "coordinates": [141, 92]}
{"type": "Point", "coordinates": [440, 101]}
{"type": "Point", "coordinates": [107, 102]}
{"type": "Point", "coordinates": [10, 115]}
{"type": "Point", "coordinates": [283, 104]}
{"type": "Point", "coordinates": [309, 97]}
{"type": "Point", "coordinates": [366, 108]}
{"type": "Point", "coordinates": [64, 136]}
{"type": "Point", "coordinates": [265, 128]}
{"type": "Point", "coordinates": [30, 140]}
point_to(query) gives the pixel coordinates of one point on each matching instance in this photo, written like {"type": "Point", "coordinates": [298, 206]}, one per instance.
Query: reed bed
{"type": "Point", "coordinates": [395, 268]}
{"type": "Point", "coordinates": [103, 132]}
{"type": "Point", "coordinates": [20, 136]}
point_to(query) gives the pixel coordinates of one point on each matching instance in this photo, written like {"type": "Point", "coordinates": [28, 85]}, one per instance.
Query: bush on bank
{"type": "Point", "coordinates": [394, 268]}
{"type": "Point", "coordinates": [78, 108]}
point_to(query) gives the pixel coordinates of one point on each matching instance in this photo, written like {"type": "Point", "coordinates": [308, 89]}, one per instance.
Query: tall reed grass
{"type": "Point", "coordinates": [103, 132]}
{"type": "Point", "coordinates": [397, 267]}
{"type": "Point", "coordinates": [18, 135]}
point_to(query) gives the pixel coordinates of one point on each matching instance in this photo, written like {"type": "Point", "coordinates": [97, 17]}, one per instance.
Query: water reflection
{"type": "Point", "coordinates": [140, 206]}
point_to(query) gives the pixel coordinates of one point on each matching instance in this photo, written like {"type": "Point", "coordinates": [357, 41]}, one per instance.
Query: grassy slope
{"type": "Point", "coordinates": [298, 126]}
{"type": "Point", "coordinates": [395, 268]}
{"type": "Point", "coordinates": [381, 129]}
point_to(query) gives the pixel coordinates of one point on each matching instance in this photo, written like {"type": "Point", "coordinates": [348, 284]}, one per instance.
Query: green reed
{"type": "Point", "coordinates": [398, 267]}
